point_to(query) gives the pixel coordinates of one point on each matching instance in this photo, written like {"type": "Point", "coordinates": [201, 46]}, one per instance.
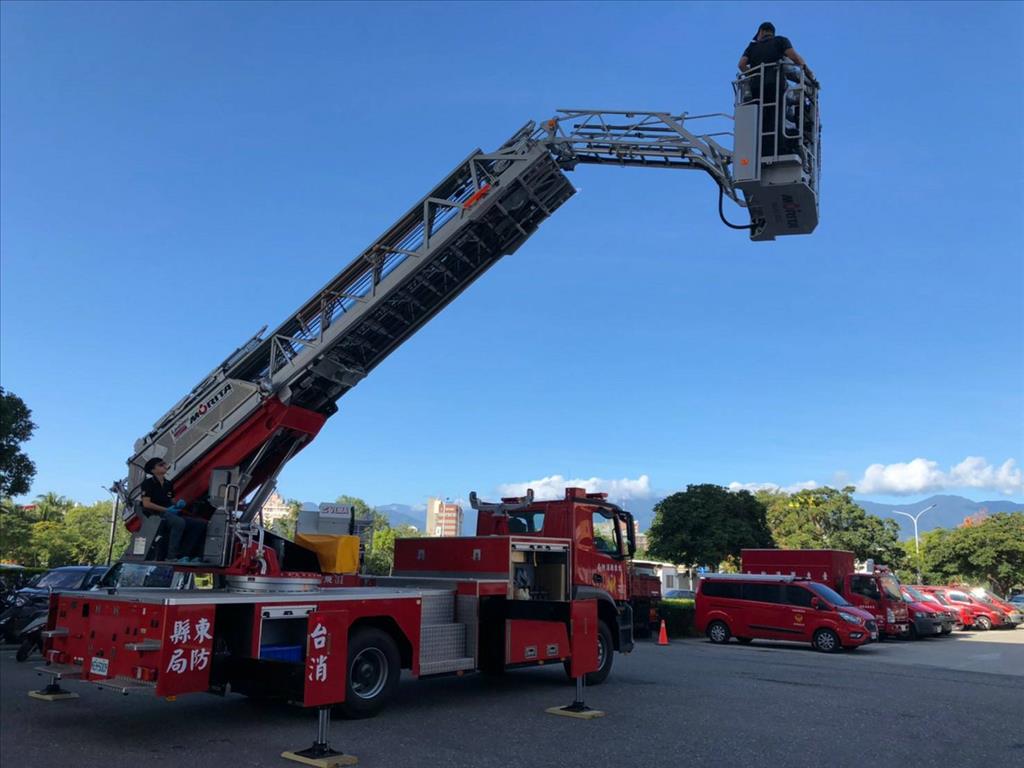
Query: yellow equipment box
{"type": "Point", "coordinates": [337, 554]}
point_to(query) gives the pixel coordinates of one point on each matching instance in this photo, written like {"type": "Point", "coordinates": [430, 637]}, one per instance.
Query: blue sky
{"type": "Point", "coordinates": [173, 176]}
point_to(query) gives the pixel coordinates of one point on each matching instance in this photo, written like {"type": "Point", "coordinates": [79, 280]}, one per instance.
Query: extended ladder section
{"type": "Point", "coordinates": [483, 210]}
{"type": "Point", "coordinates": [269, 398]}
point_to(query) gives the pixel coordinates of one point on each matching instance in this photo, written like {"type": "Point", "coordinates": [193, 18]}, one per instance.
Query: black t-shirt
{"type": "Point", "coordinates": [162, 494]}
{"type": "Point", "coordinates": [767, 51]}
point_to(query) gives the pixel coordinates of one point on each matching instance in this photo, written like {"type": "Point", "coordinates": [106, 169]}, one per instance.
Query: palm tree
{"type": "Point", "coordinates": [51, 507]}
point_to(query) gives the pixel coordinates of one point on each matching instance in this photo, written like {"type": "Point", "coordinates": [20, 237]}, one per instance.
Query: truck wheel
{"type": "Point", "coordinates": [913, 633]}
{"type": "Point", "coordinates": [605, 655]}
{"type": "Point", "coordinates": [826, 641]}
{"type": "Point", "coordinates": [372, 675]}
{"type": "Point", "coordinates": [983, 623]}
{"type": "Point", "coordinates": [718, 632]}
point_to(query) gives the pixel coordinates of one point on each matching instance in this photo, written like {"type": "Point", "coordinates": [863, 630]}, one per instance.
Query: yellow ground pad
{"type": "Point", "coordinates": [321, 762]}
{"type": "Point", "coordinates": [587, 714]}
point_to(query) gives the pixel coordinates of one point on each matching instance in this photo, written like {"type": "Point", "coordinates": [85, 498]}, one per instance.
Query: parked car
{"type": "Point", "coordinates": [1013, 612]}
{"type": "Point", "coordinates": [927, 616]}
{"type": "Point", "coordinates": [27, 600]}
{"type": "Point", "coordinates": [1017, 599]}
{"type": "Point", "coordinates": [680, 594]}
{"type": "Point", "coordinates": [748, 606]}
{"type": "Point", "coordinates": [955, 612]}
{"type": "Point", "coordinates": [982, 616]}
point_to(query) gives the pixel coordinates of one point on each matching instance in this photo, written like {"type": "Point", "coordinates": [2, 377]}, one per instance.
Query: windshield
{"type": "Point", "coordinates": [828, 594]}
{"type": "Point", "coordinates": [128, 575]}
{"type": "Point", "coordinates": [60, 580]}
{"type": "Point", "coordinates": [940, 597]}
{"type": "Point", "coordinates": [891, 587]}
{"type": "Point", "coordinates": [912, 594]}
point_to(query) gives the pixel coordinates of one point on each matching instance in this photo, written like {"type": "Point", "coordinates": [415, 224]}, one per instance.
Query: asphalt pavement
{"type": "Point", "coordinates": [955, 701]}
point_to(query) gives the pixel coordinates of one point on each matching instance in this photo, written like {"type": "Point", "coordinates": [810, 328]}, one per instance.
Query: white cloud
{"type": "Point", "coordinates": [774, 487]}
{"type": "Point", "coordinates": [553, 487]}
{"type": "Point", "coordinates": [925, 476]}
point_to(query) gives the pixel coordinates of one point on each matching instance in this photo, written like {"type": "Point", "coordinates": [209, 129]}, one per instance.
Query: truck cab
{"type": "Point", "coordinates": [603, 542]}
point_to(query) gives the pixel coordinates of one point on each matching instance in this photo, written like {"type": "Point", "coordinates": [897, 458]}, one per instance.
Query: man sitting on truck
{"type": "Point", "coordinates": [186, 534]}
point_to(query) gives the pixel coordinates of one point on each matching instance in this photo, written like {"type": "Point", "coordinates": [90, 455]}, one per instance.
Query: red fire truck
{"type": "Point", "coordinates": [555, 593]}
{"type": "Point", "coordinates": [875, 589]}
{"type": "Point", "coordinates": [535, 587]}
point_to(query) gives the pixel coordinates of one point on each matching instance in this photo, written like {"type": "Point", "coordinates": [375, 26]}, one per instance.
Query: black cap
{"type": "Point", "coordinates": [764, 25]}
{"type": "Point", "coordinates": [152, 463]}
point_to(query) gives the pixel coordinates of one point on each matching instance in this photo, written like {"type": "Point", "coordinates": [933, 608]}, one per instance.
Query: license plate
{"type": "Point", "coordinates": [99, 666]}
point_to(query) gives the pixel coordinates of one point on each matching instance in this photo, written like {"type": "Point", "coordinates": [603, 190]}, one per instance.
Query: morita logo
{"type": "Point", "coordinates": [791, 210]}
{"type": "Point", "coordinates": [209, 403]}
{"type": "Point", "coordinates": [199, 411]}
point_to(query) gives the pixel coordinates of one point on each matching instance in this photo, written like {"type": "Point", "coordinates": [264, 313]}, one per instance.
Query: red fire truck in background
{"type": "Point", "coordinates": [876, 588]}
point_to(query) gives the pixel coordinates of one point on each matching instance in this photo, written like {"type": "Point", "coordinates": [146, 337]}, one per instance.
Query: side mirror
{"type": "Point", "coordinates": [817, 604]}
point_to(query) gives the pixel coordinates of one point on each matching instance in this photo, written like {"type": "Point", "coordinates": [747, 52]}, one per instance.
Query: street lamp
{"type": "Point", "coordinates": [917, 541]}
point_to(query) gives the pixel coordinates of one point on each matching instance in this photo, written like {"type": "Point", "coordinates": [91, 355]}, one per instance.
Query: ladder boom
{"type": "Point", "coordinates": [271, 395]}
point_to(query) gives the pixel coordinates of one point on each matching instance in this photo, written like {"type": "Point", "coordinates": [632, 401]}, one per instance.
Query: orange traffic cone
{"type": "Point", "coordinates": [663, 635]}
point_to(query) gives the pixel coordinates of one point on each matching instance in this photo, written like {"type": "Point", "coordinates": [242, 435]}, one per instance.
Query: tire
{"type": "Point", "coordinates": [605, 655]}
{"type": "Point", "coordinates": [983, 623]}
{"type": "Point", "coordinates": [718, 632]}
{"type": "Point", "coordinates": [744, 640]}
{"type": "Point", "coordinates": [826, 641]}
{"type": "Point", "coordinates": [947, 631]}
{"type": "Point", "coordinates": [371, 677]}
{"type": "Point", "coordinates": [913, 633]}
{"type": "Point", "coordinates": [25, 650]}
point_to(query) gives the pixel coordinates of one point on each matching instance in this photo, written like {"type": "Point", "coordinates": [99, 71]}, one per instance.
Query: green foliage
{"type": "Point", "coordinates": [705, 524]}
{"type": "Point", "coordinates": [990, 552]}
{"type": "Point", "coordinates": [678, 616]}
{"type": "Point", "coordinates": [55, 531]}
{"type": "Point", "coordinates": [379, 559]}
{"type": "Point", "coordinates": [285, 526]}
{"type": "Point", "coordinates": [16, 427]}
{"type": "Point", "coordinates": [829, 518]}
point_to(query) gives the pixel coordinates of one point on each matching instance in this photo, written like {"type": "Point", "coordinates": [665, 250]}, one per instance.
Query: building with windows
{"type": "Point", "coordinates": [275, 508]}
{"type": "Point", "coordinates": [443, 518]}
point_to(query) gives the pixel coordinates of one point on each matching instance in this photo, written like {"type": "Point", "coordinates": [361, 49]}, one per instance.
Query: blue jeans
{"type": "Point", "coordinates": [185, 535]}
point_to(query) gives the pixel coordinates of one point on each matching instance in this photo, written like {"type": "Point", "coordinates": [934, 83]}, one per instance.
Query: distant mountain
{"type": "Point", "coordinates": [949, 511]}
{"type": "Point", "coordinates": [399, 514]}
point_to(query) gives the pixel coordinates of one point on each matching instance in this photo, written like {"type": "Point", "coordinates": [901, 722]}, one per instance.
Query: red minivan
{"type": "Point", "coordinates": [748, 606]}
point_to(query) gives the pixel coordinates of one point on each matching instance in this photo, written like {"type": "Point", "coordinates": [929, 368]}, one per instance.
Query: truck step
{"type": "Point", "coordinates": [449, 665]}
{"type": "Point", "coordinates": [438, 607]}
{"type": "Point", "coordinates": [442, 642]}
{"type": "Point", "coordinates": [125, 685]}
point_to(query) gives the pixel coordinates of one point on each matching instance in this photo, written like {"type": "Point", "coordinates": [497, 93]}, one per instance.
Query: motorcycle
{"type": "Point", "coordinates": [31, 635]}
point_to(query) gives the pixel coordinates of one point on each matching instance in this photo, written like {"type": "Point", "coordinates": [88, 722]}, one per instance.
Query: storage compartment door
{"type": "Point", "coordinates": [326, 658]}
{"type": "Point", "coordinates": [583, 631]}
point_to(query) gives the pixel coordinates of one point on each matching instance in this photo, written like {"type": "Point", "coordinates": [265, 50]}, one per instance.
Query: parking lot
{"type": "Point", "coordinates": [955, 700]}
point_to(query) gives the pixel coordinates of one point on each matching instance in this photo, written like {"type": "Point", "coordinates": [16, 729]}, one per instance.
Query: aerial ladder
{"type": "Point", "coordinates": [227, 440]}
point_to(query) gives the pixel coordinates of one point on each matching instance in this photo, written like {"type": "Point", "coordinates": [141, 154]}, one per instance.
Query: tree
{"type": "Point", "coordinates": [285, 526]}
{"type": "Point", "coordinates": [15, 533]}
{"type": "Point", "coordinates": [88, 533]}
{"type": "Point", "coordinates": [829, 518]}
{"type": "Point", "coordinates": [705, 524]}
{"type": "Point", "coordinates": [991, 551]}
{"type": "Point", "coordinates": [50, 545]}
{"type": "Point", "coordinates": [51, 507]}
{"type": "Point", "coordinates": [16, 427]}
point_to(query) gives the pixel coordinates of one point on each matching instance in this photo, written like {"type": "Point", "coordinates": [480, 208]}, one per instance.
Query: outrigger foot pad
{"type": "Point", "coordinates": [580, 711]}
{"type": "Point", "coordinates": [577, 709]}
{"type": "Point", "coordinates": [320, 756]}
{"type": "Point", "coordinates": [52, 692]}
